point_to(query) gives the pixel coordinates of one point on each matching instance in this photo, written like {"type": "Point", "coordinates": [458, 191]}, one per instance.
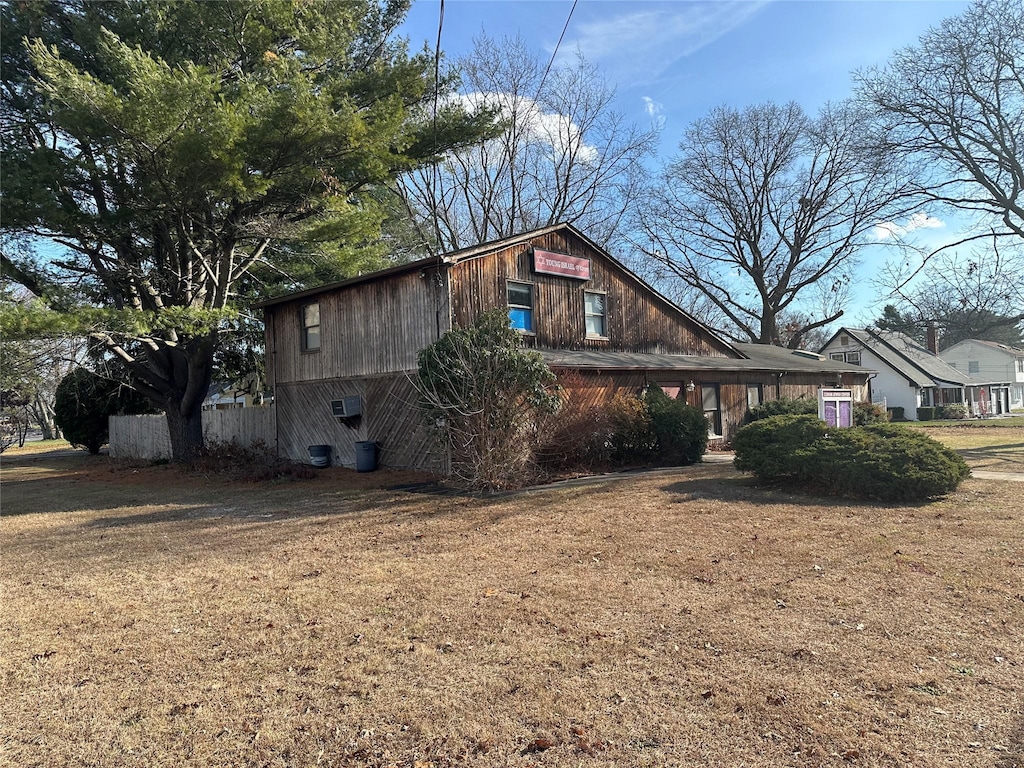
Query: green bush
{"type": "Point", "coordinates": [782, 407]}
{"type": "Point", "coordinates": [486, 395]}
{"type": "Point", "coordinates": [896, 414]}
{"type": "Point", "coordinates": [772, 448]}
{"type": "Point", "coordinates": [926, 413]}
{"type": "Point", "coordinates": [882, 461]}
{"type": "Point", "coordinates": [83, 403]}
{"type": "Point", "coordinates": [680, 431]}
{"type": "Point", "coordinates": [955, 411]}
{"type": "Point", "coordinates": [868, 413]}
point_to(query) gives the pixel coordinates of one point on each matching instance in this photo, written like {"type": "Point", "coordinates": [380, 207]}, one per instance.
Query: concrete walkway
{"type": "Point", "coordinates": [984, 474]}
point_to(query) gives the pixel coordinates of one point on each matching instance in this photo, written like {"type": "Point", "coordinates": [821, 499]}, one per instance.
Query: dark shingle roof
{"type": "Point", "coordinates": [904, 355]}
{"type": "Point", "coordinates": [759, 357]}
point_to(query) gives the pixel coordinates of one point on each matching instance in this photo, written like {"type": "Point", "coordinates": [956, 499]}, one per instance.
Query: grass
{"type": "Point", "coordinates": [156, 618]}
{"type": "Point", "coordinates": [996, 445]}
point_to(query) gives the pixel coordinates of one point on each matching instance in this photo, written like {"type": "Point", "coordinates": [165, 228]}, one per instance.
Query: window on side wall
{"type": "Point", "coordinates": [594, 310]}
{"type": "Point", "coordinates": [311, 327]}
{"type": "Point", "coordinates": [754, 394]}
{"type": "Point", "coordinates": [520, 306]}
{"type": "Point", "coordinates": [712, 412]}
{"type": "Point", "coordinates": [973, 366]}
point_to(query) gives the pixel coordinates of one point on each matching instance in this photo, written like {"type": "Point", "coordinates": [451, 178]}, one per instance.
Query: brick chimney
{"type": "Point", "coordinates": [933, 339]}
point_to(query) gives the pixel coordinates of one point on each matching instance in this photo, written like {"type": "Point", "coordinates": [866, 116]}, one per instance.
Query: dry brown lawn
{"type": "Point", "coordinates": [152, 618]}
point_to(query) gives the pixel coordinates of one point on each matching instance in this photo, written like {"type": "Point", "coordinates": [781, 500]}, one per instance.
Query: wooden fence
{"type": "Point", "coordinates": [145, 437]}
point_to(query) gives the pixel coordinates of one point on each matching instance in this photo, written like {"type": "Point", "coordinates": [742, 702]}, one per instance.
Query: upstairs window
{"type": "Point", "coordinates": [594, 304]}
{"type": "Point", "coordinates": [1020, 365]}
{"type": "Point", "coordinates": [853, 358]}
{"type": "Point", "coordinates": [973, 366]}
{"type": "Point", "coordinates": [311, 328]}
{"type": "Point", "coordinates": [520, 306]}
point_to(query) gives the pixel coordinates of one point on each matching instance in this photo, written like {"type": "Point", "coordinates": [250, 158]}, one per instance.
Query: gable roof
{"type": "Point", "coordinates": [1008, 349]}
{"type": "Point", "coordinates": [453, 257]}
{"type": "Point", "coordinates": [915, 363]}
{"type": "Point", "coordinates": [483, 249]}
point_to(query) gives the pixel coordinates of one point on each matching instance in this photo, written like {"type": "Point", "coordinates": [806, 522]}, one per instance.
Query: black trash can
{"type": "Point", "coordinates": [366, 456]}
{"type": "Point", "coordinates": [320, 455]}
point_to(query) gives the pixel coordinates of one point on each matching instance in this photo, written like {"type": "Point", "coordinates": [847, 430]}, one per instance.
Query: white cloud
{"type": "Point", "coordinates": [891, 230]}
{"type": "Point", "coordinates": [644, 43]}
{"type": "Point", "coordinates": [556, 130]}
{"type": "Point", "coordinates": [655, 110]}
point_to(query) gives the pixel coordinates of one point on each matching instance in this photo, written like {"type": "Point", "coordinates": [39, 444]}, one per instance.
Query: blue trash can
{"type": "Point", "coordinates": [366, 456]}
{"type": "Point", "coordinates": [320, 455]}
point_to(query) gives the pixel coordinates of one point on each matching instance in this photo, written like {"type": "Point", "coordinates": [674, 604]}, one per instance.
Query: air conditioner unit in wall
{"type": "Point", "coordinates": [347, 407]}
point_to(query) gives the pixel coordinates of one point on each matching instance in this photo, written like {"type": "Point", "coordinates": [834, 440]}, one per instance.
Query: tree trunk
{"type": "Point", "coordinates": [180, 391]}
{"type": "Point", "coordinates": [186, 432]}
{"type": "Point", "coordinates": [42, 412]}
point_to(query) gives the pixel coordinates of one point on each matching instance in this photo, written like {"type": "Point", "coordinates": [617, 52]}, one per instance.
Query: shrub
{"type": "Point", "coordinates": [773, 448]}
{"type": "Point", "coordinates": [626, 431]}
{"type": "Point", "coordinates": [632, 439]}
{"type": "Point", "coordinates": [955, 411]}
{"type": "Point", "coordinates": [896, 413]}
{"type": "Point", "coordinates": [889, 462]}
{"type": "Point", "coordinates": [680, 431]}
{"type": "Point", "coordinates": [485, 393]}
{"type": "Point", "coordinates": [926, 413]}
{"type": "Point", "coordinates": [578, 437]}
{"type": "Point", "coordinates": [253, 463]}
{"type": "Point", "coordinates": [868, 413]}
{"type": "Point", "coordinates": [783, 406]}
{"type": "Point", "coordinates": [83, 403]}
{"type": "Point", "coordinates": [882, 461]}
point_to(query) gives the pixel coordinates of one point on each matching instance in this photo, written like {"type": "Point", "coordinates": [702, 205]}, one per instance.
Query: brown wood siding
{"type": "Point", "coordinates": [370, 328]}
{"type": "Point", "coordinates": [395, 422]}
{"type": "Point", "coordinates": [390, 418]}
{"type": "Point", "coordinates": [636, 320]}
{"type": "Point", "coordinates": [596, 388]}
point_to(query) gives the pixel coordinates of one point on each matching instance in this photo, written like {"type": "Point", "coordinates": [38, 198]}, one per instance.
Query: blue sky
{"type": "Point", "coordinates": [677, 60]}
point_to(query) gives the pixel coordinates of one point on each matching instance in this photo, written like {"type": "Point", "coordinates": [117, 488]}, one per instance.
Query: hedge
{"type": "Point", "coordinates": [881, 461]}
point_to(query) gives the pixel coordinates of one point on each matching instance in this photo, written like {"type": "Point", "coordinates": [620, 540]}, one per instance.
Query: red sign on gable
{"type": "Point", "coordinates": [561, 264]}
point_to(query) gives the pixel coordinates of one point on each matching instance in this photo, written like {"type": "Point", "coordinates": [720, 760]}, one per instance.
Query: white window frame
{"type": "Point", "coordinates": [530, 308]}
{"type": "Point", "coordinates": [587, 314]}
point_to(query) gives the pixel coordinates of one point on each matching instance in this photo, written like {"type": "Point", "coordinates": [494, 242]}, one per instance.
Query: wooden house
{"type": "Point", "coordinates": [341, 358]}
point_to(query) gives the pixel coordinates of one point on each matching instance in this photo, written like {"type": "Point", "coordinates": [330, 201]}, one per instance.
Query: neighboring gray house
{"type": "Point", "coordinates": [909, 375]}
{"type": "Point", "coordinates": [995, 361]}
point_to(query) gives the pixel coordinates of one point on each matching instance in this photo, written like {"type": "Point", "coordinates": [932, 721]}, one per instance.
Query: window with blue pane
{"type": "Point", "coordinates": [594, 310]}
{"type": "Point", "coordinates": [520, 306]}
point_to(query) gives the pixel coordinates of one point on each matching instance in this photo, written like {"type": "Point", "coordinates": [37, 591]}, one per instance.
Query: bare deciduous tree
{"type": "Point", "coordinates": [565, 155]}
{"type": "Point", "coordinates": [953, 105]}
{"type": "Point", "coordinates": [764, 212]}
{"type": "Point", "coordinates": [978, 296]}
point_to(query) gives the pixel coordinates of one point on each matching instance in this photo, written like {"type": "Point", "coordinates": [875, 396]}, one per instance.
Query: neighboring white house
{"type": "Point", "coordinates": [994, 361]}
{"type": "Point", "coordinates": [909, 375]}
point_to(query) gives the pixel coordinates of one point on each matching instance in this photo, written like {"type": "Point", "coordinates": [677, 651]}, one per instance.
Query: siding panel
{"type": "Point", "coordinates": [636, 319]}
